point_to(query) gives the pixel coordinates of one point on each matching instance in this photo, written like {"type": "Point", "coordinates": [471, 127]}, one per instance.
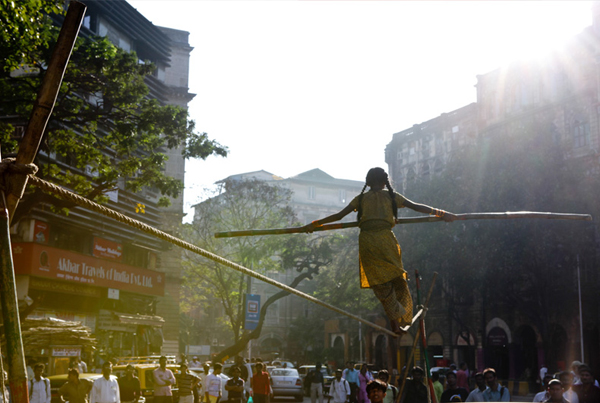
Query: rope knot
{"type": "Point", "coordinates": [10, 165]}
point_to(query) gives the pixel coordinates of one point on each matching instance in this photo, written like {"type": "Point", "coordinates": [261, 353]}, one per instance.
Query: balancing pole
{"type": "Point", "coordinates": [508, 215]}
{"type": "Point", "coordinates": [412, 352]}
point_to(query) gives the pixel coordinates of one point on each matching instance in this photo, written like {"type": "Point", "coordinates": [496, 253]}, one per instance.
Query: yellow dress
{"type": "Point", "coordinates": [380, 256]}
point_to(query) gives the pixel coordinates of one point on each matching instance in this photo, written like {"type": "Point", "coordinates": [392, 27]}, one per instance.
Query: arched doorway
{"type": "Point", "coordinates": [381, 352]}
{"type": "Point", "coordinates": [557, 352]}
{"type": "Point", "coordinates": [338, 352]}
{"type": "Point", "coordinates": [435, 348]}
{"type": "Point", "coordinates": [496, 352]}
{"type": "Point", "coordinates": [526, 355]}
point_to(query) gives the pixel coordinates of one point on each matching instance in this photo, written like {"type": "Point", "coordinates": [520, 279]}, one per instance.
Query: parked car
{"type": "Point", "coordinates": [327, 378]}
{"type": "Point", "coordinates": [287, 382]}
{"type": "Point", "coordinates": [282, 364]}
{"type": "Point", "coordinates": [56, 381]}
{"type": "Point", "coordinates": [440, 370]}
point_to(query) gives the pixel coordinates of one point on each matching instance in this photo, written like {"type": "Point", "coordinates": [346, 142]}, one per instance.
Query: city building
{"type": "Point", "coordinates": [122, 283]}
{"type": "Point", "coordinates": [563, 91]}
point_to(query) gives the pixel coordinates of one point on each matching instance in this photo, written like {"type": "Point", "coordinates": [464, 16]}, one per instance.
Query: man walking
{"type": "Point", "coordinates": [213, 390]}
{"type": "Point", "coordinates": [75, 390]}
{"type": "Point", "coordinates": [587, 392]}
{"type": "Point", "coordinates": [186, 383]}
{"type": "Point", "coordinates": [130, 387]}
{"type": "Point", "coordinates": [555, 392]}
{"type": "Point", "coordinates": [351, 375]}
{"type": "Point", "coordinates": [163, 379]}
{"type": "Point", "coordinates": [316, 383]}
{"type": "Point", "coordinates": [495, 392]}
{"type": "Point", "coordinates": [261, 386]}
{"type": "Point", "coordinates": [476, 394]}
{"type": "Point", "coordinates": [235, 386]}
{"type": "Point", "coordinates": [391, 392]}
{"type": "Point", "coordinates": [339, 389]}
{"type": "Point", "coordinates": [106, 388]}
{"type": "Point", "coordinates": [415, 390]}
{"type": "Point", "coordinates": [39, 387]}
{"type": "Point", "coordinates": [453, 389]}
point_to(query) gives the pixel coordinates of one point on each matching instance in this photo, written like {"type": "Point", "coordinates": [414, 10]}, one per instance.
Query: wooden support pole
{"type": "Point", "coordinates": [508, 215]}
{"type": "Point", "coordinates": [42, 108]}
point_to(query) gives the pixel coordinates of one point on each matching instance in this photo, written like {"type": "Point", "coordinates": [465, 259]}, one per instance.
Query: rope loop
{"type": "Point", "coordinates": [10, 165]}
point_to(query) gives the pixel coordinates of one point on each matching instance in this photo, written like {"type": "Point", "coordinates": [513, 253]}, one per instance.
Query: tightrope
{"type": "Point", "coordinates": [82, 201]}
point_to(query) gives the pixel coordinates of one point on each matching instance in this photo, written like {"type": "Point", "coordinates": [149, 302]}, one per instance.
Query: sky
{"type": "Point", "coordinates": [289, 86]}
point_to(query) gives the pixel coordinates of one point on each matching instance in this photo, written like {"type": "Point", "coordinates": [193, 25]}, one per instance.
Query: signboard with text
{"type": "Point", "coordinates": [45, 261]}
{"type": "Point", "coordinates": [107, 249]}
{"type": "Point", "coordinates": [252, 311]}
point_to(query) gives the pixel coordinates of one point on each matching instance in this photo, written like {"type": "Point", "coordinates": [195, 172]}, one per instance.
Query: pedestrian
{"type": "Point", "coordinates": [163, 380]}
{"type": "Point", "coordinates": [376, 391]}
{"type": "Point", "coordinates": [587, 392]}
{"type": "Point", "coordinates": [566, 379]}
{"type": "Point", "coordinates": [195, 362]}
{"type": "Point", "coordinates": [542, 375]}
{"type": "Point", "coordinates": [235, 386]}
{"type": "Point", "coordinates": [462, 376]}
{"type": "Point", "coordinates": [39, 387]}
{"type": "Point", "coordinates": [543, 395]}
{"type": "Point", "coordinates": [213, 389]}
{"type": "Point", "coordinates": [129, 386]}
{"type": "Point", "coordinates": [316, 381]}
{"type": "Point", "coordinates": [75, 390]}
{"type": "Point", "coordinates": [392, 391]}
{"type": "Point", "coordinates": [364, 377]}
{"type": "Point", "coordinates": [438, 388]}
{"type": "Point", "coordinates": [106, 388]}
{"type": "Point", "coordinates": [415, 390]}
{"type": "Point", "coordinates": [555, 392]}
{"type": "Point", "coordinates": [494, 392]}
{"type": "Point", "coordinates": [350, 374]}
{"type": "Point", "coordinates": [453, 389]}
{"type": "Point", "coordinates": [203, 375]}
{"type": "Point", "coordinates": [339, 389]}
{"type": "Point", "coordinates": [261, 386]}
{"type": "Point", "coordinates": [186, 382]}
{"type": "Point", "coordinates": [476, 394]}
{"type": "Point", "coordinates": [380, 257]}
{"type": "Point", "coordinates": [575, 371]}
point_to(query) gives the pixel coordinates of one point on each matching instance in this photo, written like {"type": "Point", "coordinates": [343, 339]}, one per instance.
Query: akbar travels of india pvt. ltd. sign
{"type": "Point", "coordinates": [44, 261]}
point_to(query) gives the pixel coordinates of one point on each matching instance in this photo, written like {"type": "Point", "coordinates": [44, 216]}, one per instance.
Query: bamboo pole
{"type": "Point", "coordinates": [44, 103]}
{"type": "Point", "coordinates": [416, 340]}
{"type": "Point", "coordinates": [508, 215]}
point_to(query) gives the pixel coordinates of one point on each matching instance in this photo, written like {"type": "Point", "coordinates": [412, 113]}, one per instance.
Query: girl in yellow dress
{"type": "Point", "coordinates": [380, 257]}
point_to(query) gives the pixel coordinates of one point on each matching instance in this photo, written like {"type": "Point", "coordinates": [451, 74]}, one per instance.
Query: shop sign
{"type": "Point", "coordinates": [48, 262]}
{"type": "Point", "coordinates": [104, 248]}
{"type": "Point", "coordinates": [113, 293]}
{"type": "Point", "coordinates": [497, 337]}
{"type": "Point", "coordinates": [41, 231]}
{"type": "Point", "coordinates": [66, 352]}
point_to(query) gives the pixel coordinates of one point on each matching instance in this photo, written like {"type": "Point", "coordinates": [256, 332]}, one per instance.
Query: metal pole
{"type": "Point", "coordinates": [42, 108]}
{"type": "Point", "coordinates": [580, 310]}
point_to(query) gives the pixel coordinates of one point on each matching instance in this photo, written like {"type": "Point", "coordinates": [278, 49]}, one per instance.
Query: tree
{"type": "Point", "coordinates": [246, 204]}
{"type": "Point", "coordinates": [105, 129]}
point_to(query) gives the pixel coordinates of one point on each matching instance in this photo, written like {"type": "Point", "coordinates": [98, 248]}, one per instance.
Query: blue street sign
{"type": "Point", "coordinates": [252, 311]}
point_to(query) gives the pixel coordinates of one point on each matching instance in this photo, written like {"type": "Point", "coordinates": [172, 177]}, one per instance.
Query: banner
{"type": "Point", "coordinates": [252, 311]}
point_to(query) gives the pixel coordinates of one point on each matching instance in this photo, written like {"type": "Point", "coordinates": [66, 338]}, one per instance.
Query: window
{"type": "Point", "coordinates": [311, 192]}
{"type": "Point", "coordinates": [581, 134]}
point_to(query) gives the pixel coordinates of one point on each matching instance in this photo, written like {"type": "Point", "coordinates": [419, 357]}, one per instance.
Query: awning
{"type": "Point", "coordinates": [136, 319]}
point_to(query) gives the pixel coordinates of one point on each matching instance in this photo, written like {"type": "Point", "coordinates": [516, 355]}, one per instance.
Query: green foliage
{"type": "Point", "coordinates": [245, 204]}
{"type": "Point", "coordinates": [103, 122]}
{"type": "Point", "coordinates": [24, 28]}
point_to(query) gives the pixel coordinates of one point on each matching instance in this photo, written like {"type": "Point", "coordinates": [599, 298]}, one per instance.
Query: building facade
{"type": "Point", "coordinates": [122, 283]}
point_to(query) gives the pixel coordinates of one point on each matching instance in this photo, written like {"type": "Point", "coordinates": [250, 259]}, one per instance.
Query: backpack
{"type": "Point", "coordinates": [46, 381]}
{"type": "Point", "coordinates": [394, 391]}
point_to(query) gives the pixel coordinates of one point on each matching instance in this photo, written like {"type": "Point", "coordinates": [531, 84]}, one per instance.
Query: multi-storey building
{"type": "Point", "coordinates": [315, 194]}
{"type": "Point", "coordinates": [122, 283]}
{"type": "Point", "coordinates": [563, 91]}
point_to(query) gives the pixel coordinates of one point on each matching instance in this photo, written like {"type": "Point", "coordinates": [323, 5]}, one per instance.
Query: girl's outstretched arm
{"type": "Point", "coordinates": [332, 218]}
{"type": "Point", "coordinates": [425, 209]}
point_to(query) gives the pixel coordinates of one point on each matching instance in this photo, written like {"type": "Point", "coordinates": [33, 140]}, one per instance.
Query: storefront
{"type": "Point", "coordinates": [117, 301]}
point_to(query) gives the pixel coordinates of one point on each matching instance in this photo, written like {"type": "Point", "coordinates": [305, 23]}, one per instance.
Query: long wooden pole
{"type": "Point", "coordinates": [44, 103]}
{"type": "Point", "coordinates": [415, 341]}
{"type": "Point", "coordinates": [508, 215]}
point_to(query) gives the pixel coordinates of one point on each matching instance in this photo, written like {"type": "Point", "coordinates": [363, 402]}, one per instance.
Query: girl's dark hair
{"type": "Point", "coordinates": [377, 176]}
